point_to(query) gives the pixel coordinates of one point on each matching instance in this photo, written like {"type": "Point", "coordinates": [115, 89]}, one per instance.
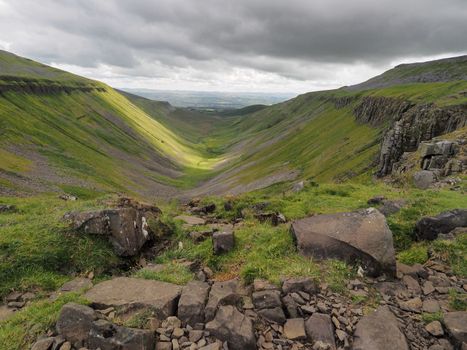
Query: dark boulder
{"type": "Point", "coordinates": [75, 321]}
{"type": "Point", "coordinates": [300, 284]}
{"type": "Point", "coordinates": [127, 227]}
{"type": "Point", "coordinates": [319, 328]}
{"type": "Point", "coordinates": [456, 325]}
{"type": "Point", "coordinates": [107, 336]}
{"type": "Point", "coordinates": [233, 327]}
{"type": "Point", "coordinates": [357, 237]}
{"type": "Point", "coordinates": [192, 302]}
{"type": "Point", "coordinates": [222, 293]}
{"type": "Point", "coordinates": [429, 227]}
{"type": "Point", "coordinates": [223, 241]}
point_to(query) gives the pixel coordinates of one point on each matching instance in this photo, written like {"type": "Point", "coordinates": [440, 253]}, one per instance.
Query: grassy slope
{"type": "Point", "coordinates": [97, 135]}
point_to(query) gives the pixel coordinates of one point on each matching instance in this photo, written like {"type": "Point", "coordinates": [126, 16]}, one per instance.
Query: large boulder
{"type": "Point", "coordinates": [430, 227]}
{"type": "Point", "coordinates": [131, 295]}
{"type": "Point", "coordinates": [456, 325]}
{"type": "Point", "coordinates": [107, 336]}
{"type": "Point", "coordinates": [233, 327]}
{"type": "Point", "coordinates": [192, 302]}
{"type": "Point", "coordinates": [362, 236]}
{"type": "Point", "coordinates": [379, 331]}
{"type": "Point", "coordinates": [75, 321]}
{"type": "Point", "coordinates": [127, 227]}
{"type": "Point", "coordinates": [223, 241]}
{"type": "Point", "coordinates": [319, 328]}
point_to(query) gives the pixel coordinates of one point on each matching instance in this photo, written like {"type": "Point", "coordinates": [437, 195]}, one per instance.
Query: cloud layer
{"type": "Point", "coordinates": [262, 45]}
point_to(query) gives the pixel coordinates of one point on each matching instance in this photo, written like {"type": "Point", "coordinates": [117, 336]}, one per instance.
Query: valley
{"type": "Point", "coordinates": [191, 213]}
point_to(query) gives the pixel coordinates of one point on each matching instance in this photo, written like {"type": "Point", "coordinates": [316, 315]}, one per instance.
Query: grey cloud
{"type": "Point", "coordinates": [294, 39]}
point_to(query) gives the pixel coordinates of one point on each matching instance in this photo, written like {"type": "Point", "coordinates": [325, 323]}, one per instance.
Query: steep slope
{"type": "Point", "coordinates": [60, 129]}
{"type": "Point", "coordinates": [344, 133]}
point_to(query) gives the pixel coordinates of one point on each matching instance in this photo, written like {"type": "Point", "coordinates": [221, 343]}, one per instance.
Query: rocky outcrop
{"type": "Point", "coordinates": [379, 110]}
{"type": "Point", "coordinates": [379, 331]}
{"type": "Point", "coordinates": [126, 226]}
{"type": "Point", "coordinates": [413, 125]}
{"type": "Point", "coordinates": [430, 227]}
{"type": "Point", "coordinates": [361, 236]}
{"type": "Point", "coordinates": [131, 295]}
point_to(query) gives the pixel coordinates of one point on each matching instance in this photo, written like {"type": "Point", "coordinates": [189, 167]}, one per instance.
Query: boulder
{"type": "Point", "coordinates": [75, 322]}
{"type": "Point", "coordinates": [233, 327]}
{"type": "Point", "coordinates": [107, 336]}
{"type": "Point", "coordinates": [429, 227]}
{"type": "Point", "coordinates": [362, 236]}
{"type": "Point", "coordinates": [127, 228]}
{"type": "Point", "coordinates": [424, 179]}
{"type": "Point", "coordinates": [8, 208]}
{"type": "Point", "coordinates": [192, 302]}
{"type": "Point", "coordinates": [390, 207]}
{"type": "Point", "coordinates": [223, 241]}
{"type": "Point", "coordinates": [222, 293]}
{"type": "Point", "coordinates": [43, 344]}
{"type": "Point", "coordinates": [129, 295]}
{"type": "Point", "coordinates": [319, 328]}
{"type": "Point", "coordinates": [379, 331]}
{"type": "Point", "coordinates": [456, 325]}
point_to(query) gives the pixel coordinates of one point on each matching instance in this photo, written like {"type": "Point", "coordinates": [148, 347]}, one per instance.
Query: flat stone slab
{"type": "Point", "coordinates": [191, 220]}
{"type": "Point", "coordinates": [133, 294]}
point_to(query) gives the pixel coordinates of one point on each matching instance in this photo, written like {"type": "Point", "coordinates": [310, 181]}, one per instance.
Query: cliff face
{"type": "Point", "coordinates": [415, 124]}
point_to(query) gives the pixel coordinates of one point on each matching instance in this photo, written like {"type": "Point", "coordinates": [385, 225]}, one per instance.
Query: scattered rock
{"type": "Point", "coordinates": [43, 344]}
{"type": "Point", "coordinates": [233, 327]}
{"type": "Point", "coordinates": [390, 207]}
{"type": "Point", "coordinates": [8, 208]}
{"type": "Point", "coordinates": [294, 329]}
{"type": "Point", "coordinates": [191, 220]}
{"type": "Point", "coordinates": [435, 328]}
{"type": "Point", "coordinates": [223, 241]}
{"type": "Point", "coordinates": [192, 302]}
{"type": "Point", "coordinates": [300, 284]}
{"type": "Point", "coordinates": [319, 328]}
{"type": "Point", "coordinates": [429, 227]}
{"type": "Point", "coordinates": [107, 336]}
{"type": "Point", "coordinates": [267, 299]}
{"type": "Point", "coordinates": [361, 236]}
{"type": "Point", "coordinates": [129, 295]}
{"type": "Point", "coordinates": [456, 325]}
{"type": "Point", "coordinates": [275, 314]}
{"type": "Point", "coordinates": [222, 293]}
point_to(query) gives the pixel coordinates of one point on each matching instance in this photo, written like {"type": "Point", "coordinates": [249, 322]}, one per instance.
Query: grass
{"type": "Point", "coordinates": [38, 253]}
{"type": "Point", "coordinates": [23, 327]}
{"type": "Point", "coordinates": [172, 273]}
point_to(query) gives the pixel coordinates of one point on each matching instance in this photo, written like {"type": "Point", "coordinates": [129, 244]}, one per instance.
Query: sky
{"type": "Point", "coordinates": [237, 45]}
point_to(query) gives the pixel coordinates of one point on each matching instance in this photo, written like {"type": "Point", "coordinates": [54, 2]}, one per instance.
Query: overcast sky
{"type": "Point", "coordinates": [237, 45]}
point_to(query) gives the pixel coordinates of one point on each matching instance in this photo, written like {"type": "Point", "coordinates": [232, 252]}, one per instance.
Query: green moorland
{"type": "Point", "coordinates": [104, 142]}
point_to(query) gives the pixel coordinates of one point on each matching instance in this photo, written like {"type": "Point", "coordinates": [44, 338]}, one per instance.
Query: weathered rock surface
{"type": "Point", "coordinates": [232, 326]}
{"type": "Point", "coordinates": [107, 336]}
{"type": "Point", "coordinates": [222, 293]}
{"type": "Point", "coordinates": [127, 227]}
{"type": "Point", "coordinates": [361, 236]}
{"type": "Point", "coordinates": [294, 329]}
{"type": "Point", "coordinates": [424, 179]}
{"type": "Point", "coordinates": [379, 331]}
{"type": "Point", "coordinates": [75, 322]}
{"type": "Point", "coordinates": [223, 241]}
{"type": "Point", "coordinates": [319, 328]}
{"type": "Point", "coordinates": [297, 284]}
{"type": "Point", "coordinates": [456, 325]}
{"type": "Point", "coordinates": [192, 302]}
{"type": "Point", "coordinates": [129, 295]}
{"type": "Point", "coordinates": [429, 227]}
{"type": "Point", "coordinates": [191, 220]}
